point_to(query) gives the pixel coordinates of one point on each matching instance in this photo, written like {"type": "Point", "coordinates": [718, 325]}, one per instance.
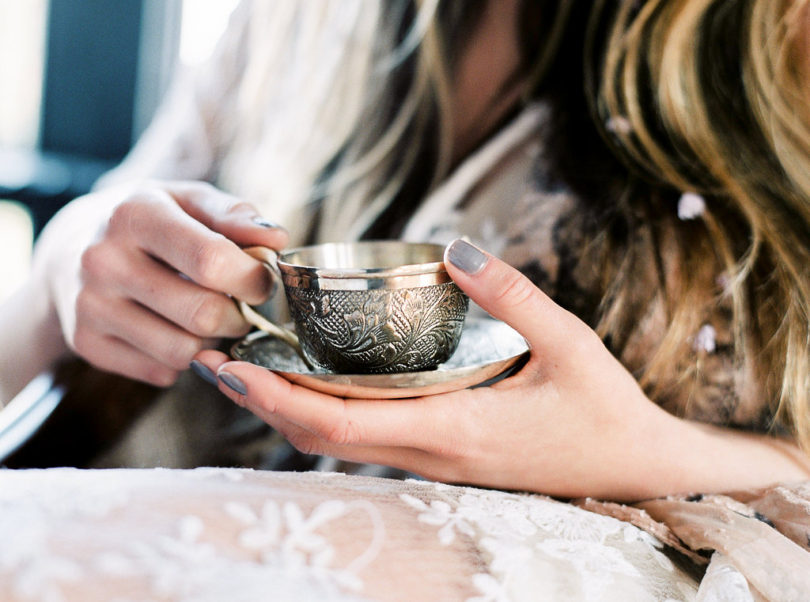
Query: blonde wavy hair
{"type": "Point", "coordinates": [711, 97]}
{"type": "Point", "coordinates": [370, 82]}
{"type": "Point", "coordinates": [714, 94]}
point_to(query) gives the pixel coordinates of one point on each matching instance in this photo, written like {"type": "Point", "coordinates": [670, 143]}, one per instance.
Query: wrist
{"type": "Point", "coordinates": [690, 457]}
{"type": "Point", "coordinates": [30, 337]}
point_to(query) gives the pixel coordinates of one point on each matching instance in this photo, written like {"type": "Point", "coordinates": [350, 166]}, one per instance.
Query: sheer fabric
{"type": "Point", "coordinates": [214, 534]}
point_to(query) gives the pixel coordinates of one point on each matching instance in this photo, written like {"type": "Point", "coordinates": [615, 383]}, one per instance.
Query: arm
{"type": "Point", "coordinates": [29, 324]}
{"type": "Point", "coordinates": [136, 280]}
{"type": "Point", "coordinates": [38, 324]}
{"type": "Point", "coordinates": [31, 338]}
{"type": "Point", "coordinates": [573, 422]}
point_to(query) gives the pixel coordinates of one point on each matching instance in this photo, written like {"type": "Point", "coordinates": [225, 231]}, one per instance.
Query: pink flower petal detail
{"type": "Point", "coordinates": [691, 205]}
{"type": "Point", "coordinates": [619, 125]}
{"type": "Point", "coordinates": [705, 339]}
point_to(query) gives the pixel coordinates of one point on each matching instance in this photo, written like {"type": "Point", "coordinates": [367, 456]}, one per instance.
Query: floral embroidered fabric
{"type": "Point", "coordinates": [215, 534]}
{"type": "Point", "coordinates": [212, 534]}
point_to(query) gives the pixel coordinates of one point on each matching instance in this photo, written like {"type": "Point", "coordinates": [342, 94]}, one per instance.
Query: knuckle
{"type": "Point", "coordinates": [199, 191]}
{"type": "Point", "coordinates": [209, 263]}
{"type": "Point", "coordinates": [517, 290]}
{"type": "Point", "coordinates": [123, 215]}
{"type": "Point", "coordinates": [82, 341]}
{"type": "Point", "coordinates": [195, 187]}
{"type": "Point", "coordinates": [85, 303]}
{"type": "Point", "coordinates": [88, 309]}
{"type": "Point", "coordinates": [304, 442]}
{"type": "Point", "coordinates": [207, 315]}
{"type": "Point", "coordinates": [94, 260]}
{"type": "Point", "coordinates": [160, 376]}
{"type": "Point", "coordinates": [181, 350]}
{"type": "Point", "coordinates": [132, 214]}
{"type": "Point", "coordinates": [194, 192]}
{"type": "Point", "coordinates": [238, 206]}
{"type": "Point", "coordinates": [343, 432]}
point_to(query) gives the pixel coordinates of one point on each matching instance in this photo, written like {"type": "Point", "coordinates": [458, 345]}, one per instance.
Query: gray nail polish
{"type": "Point", "coordinates": [266, 223]}
{"type": "Point", "coordinates": [233, 383]}
{"type": "Point", "coordinates": [466, 257]}
{"type": "Point", "coordinates": [204, 372]}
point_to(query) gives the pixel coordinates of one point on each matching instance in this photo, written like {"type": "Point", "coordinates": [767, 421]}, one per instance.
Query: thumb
{"type": "Point", "coordinates": [506, 294]}
{"type": "Point", "coordinates": [232, 217]}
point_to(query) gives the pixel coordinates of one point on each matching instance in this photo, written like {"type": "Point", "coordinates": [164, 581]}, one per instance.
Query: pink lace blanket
{"type": "Point", "coordinates": [228, 534]}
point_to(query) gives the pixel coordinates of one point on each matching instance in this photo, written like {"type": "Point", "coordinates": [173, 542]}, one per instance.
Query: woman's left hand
{"type": "Point", "coordinates": [572, 422]}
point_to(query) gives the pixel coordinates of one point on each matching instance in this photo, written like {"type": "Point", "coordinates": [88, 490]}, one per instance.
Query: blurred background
{"type": "Point", "coordinates": [80, 81]}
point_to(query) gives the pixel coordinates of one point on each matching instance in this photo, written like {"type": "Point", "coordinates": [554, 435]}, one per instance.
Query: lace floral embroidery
{"type": "Point", "coordinates": [527, 539]}
{"type": "Point", "coordinates": [283, 536]}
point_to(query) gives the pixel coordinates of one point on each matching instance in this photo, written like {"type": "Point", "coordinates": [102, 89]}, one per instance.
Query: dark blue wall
{"type": "Point", "coordinates": [91, 67]}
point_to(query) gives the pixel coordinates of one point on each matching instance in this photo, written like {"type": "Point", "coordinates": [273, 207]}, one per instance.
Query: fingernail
{"type": "Point", "coordinates": [233, 383]}
{"type": "Point", "coordinates": [266, 223]}
{"type": "Point", "coordinates": [204, 372]}
{"type": "Point", "coordinates": [466, 257]}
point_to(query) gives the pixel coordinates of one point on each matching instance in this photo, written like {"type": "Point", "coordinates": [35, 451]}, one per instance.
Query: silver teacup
{"type": "Point", "coordinates": [367, 307]}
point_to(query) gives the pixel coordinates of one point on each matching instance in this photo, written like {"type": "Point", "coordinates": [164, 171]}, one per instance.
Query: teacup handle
{"type": "Point", "coordinates": [269, 257]}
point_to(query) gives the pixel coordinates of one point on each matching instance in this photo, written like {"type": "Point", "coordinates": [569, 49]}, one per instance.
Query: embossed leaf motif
{"type": "Point", "coordinates": [434, 332]}
{"type": "Point", "coordinates": [356, 321]}
{"type": "Point", "coordinates": [367, 326]}
{"type": "Point", "coordinates": [414, 308]}
{"type": "Point", "coordinates": [361, 330]}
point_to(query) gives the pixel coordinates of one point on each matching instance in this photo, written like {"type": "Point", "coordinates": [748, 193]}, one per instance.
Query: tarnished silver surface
{"type": "Point", "coordinates": [487, 348]}
{"type": "Point", "coordinates": [367, 307]}
{"type": "Point", "coordinates": [401, 330]}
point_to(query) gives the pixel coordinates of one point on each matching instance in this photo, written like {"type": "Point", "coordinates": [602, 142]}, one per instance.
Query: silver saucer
{"type": "Point", "coordinates": [487, 349]}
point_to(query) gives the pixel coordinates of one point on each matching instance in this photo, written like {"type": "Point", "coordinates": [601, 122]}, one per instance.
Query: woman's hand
{"type": "Point", "coordinates": [573, 422]}
{"type": "Point", "coordinates": [153, 286]}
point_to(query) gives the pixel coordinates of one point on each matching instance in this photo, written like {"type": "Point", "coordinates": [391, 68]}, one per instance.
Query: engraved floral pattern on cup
{"type": "Point", "coordinates": [382, 330]}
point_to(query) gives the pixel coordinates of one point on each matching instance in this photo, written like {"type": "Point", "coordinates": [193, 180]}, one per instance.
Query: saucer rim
{"type": "Point", "coordinates": [394, 386]}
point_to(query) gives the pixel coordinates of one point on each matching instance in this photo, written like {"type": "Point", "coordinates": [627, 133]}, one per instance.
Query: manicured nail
{"type": "Point", "coordinates": [204, 372]}
{"type": "Point", "coordinates": [466, 257]}
{"type": "Point", "coordinates": [233, 383]}
{"type": "Point", "coordinates": [266, 223]}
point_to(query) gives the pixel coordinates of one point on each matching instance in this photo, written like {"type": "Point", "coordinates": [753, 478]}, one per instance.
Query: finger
{"type": "Point", "coordinates": [143, 330]}
{"type": "Point", "coordinates": [419, 423]}
{"type": "Point", "coordinates": [159, 226]}
{"type": "Point", "coordinates": [307, 443]}
{"type": "Point", "coordinates": [406, 458]}
{"type": "Point", "coordinates": [508, 295]}
{"type": "Point", "coordinates": [195, 309]}
{"type": "Point", "coordinates": [136, 275]}
{"type": "Point", "coordinates": [409, 459]}
{"type": "Point", "coordinates": [224, 213]}
{"type": "Point", "coordinates": [116, 356]}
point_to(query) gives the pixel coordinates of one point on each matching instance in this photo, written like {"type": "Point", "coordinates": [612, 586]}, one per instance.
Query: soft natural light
{"type": "Point", "coordinates": [15, 245]}
{"type": "Point", "coordinates": [203, 23]}
{"type": "Point", "coordinates": [22, 51]}
{"type": "Point", "coordinates": [22, 48]}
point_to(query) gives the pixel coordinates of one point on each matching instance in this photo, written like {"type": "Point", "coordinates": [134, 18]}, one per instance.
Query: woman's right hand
{"type": "Point", "coordinates": [154, 285]}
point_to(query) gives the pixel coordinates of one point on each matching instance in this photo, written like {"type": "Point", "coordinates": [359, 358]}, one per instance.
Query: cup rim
{"type": "Point", "coordinates": [413, 269]}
